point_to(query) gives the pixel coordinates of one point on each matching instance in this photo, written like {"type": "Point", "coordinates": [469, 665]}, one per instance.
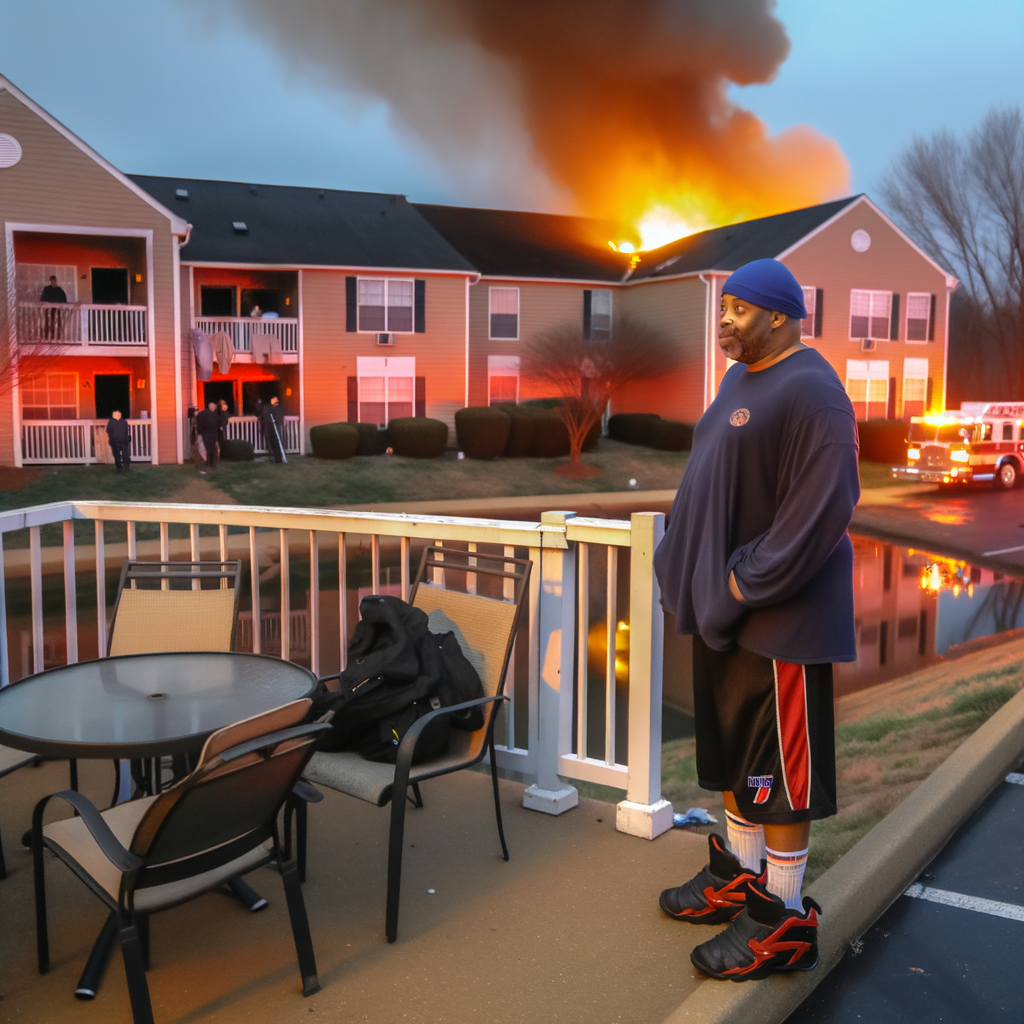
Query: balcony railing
{"type": "Point", "coordinates": [78, 441]}
{"type": "Point", "coordinates": [242, 328]}
{"type": "Point", "coordinates": [563, 720]}
{"type": "Point", "coordinates": [58, 324]}
{"type": "Point", "coordinates": [250, 428]}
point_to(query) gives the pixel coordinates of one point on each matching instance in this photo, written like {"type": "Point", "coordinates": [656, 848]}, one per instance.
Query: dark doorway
{"type": "Point", "coordinates": [219, 390]}
{"type": "Point", "coordinates": [110, 286]}
{"type": "Point", "coordinates": [113, 391]}
{"type": "Point", "coordinates": [266, 298]}
{"type": "Point", "coordinates": [217, 301]}
{"type": "Point", "coordinates": [252, 390]}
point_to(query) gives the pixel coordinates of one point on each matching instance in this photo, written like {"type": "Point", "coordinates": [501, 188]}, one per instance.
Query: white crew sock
{"type": "Point", "coordinates": [786, 875]}
{"type": "Point", "coordinates": [746, 840]}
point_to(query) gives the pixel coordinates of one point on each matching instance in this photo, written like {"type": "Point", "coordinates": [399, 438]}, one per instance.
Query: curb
{"type": "Point", "coordinates": [868, 879]}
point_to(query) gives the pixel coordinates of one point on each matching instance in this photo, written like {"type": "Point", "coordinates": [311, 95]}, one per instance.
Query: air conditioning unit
{"type": "Point", "coordinates": [867, 345]}
{"type": "Point", "coordinates": [385, 339]}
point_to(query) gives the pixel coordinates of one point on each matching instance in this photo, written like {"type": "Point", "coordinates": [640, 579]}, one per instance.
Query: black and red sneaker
{"type": "Point", "coordinates": [765, 938]}
{"type": "Point", "coordinates": [715, 894]}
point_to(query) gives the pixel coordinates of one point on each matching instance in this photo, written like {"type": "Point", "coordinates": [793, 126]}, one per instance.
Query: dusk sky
{"type": "Point", "coordinates": [164, 88]}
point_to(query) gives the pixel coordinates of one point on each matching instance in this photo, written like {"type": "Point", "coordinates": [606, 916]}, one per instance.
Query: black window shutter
{"type": "Point", "coordinates": [353, 399]}
{"type": "Point", "coordinates": [351, 306]}
{"type": "Point", "coordinates": [420, 396]}
{"type": "Point", "coordinates": [928, 395]}
{"type": "Point", "coordinates": [931, 326]}
{"type": "Point", "coordinates": [890, 408]}
{"type": "Point", "coordinates": [819, 302]}
{"type": "Point", "coordinates": [586, 313]}
{"type": "Point", "coordinates": [420, 299]}
{"type": "Point", "coordinates": [894, 322]}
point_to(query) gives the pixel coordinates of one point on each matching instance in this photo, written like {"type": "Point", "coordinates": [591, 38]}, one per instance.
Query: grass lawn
{"type": "Point", "coordinates": [366, 480]}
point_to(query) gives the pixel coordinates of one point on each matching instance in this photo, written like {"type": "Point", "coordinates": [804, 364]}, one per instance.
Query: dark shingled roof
{"type": "Point", "coordinates": [304, 226]}
{"type": "Point", "coordinates": [728, 248]}
{"type": "Point", "coordinates": [509, 243]}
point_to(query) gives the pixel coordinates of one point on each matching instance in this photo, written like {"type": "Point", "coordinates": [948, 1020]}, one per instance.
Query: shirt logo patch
{"type": "Point", "coordinates": [763, 785]}
{"type": "Point", "coordinates": [739, 417]}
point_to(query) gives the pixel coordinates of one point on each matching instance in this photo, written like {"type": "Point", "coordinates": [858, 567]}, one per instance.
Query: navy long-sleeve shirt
{"type": "Point", "coordinates": [768, 493]}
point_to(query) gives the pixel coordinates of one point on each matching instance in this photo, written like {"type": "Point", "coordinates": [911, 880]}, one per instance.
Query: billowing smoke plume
{"type": "Point", "coordinates": [612, 108]}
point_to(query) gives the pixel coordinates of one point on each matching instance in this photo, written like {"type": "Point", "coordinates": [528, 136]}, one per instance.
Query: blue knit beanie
{"type": "Point", "coordinates": [769, 284]}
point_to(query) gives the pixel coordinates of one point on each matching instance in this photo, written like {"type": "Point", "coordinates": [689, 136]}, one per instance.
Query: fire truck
{"type": "Point", "coordinates": [979, 443]}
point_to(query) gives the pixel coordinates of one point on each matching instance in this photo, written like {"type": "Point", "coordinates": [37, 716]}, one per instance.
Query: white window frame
{"type": "Point", "coordinates": [915, 370]}
{"type": "Point", "coordinates": [873, 297]}
{"type": "Point", "coordinates": [490, 314]}
{"type": "Point", "coordinates": [502, 366]}
{"type": "Point", "coordinates": [810, 304]}
{"type": "Point", "coordinates": [32, 278]}
{"type": "Point", "coordinates": [611, 314]}
{"type": "Point", "coordinates": [870, 371]}
{"type": "Point", "coordinates": [27, 385]}
{"type": "Point", "coordinates": [927, 296]}
{"type": "Point", "coordinates": [390, 368]}
{"type": "Point", "coordinates": [388, 282]}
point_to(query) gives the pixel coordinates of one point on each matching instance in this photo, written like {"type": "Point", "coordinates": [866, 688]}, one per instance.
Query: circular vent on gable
{"type": "Point", "coordinates": [10, 150]}
{"type": "Point", "coordinates": [860, 240]}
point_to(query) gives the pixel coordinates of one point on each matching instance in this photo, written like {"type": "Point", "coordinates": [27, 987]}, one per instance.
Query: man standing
{"type": "Point", "coordinates": [120, 437]}
{"type": "Point", "coordinates": [273, 428]}
{"type": "Point", "coordinates": [53, 293]}
{"type": "Point", "coordinates": [206, 426]}
{"type": "Point", "coordinates": [757, 565]}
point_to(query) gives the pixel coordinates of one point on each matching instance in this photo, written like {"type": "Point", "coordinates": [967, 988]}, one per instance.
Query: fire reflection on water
{"type": "Point", "coordinates": [911, 605]}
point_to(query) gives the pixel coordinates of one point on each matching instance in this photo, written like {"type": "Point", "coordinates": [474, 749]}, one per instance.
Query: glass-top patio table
{"type": "Point", "coordinates": [143, 706]}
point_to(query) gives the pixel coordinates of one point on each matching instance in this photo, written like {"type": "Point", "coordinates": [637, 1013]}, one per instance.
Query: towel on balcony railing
{"type": "Point", "coordinates": [223, 349]}
{"type": "Point", "coordinates": [266, 348]}
{"type": "Point", "coordinates": [204, 354]}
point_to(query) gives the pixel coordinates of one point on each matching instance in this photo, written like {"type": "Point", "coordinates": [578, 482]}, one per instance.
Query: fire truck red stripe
{"type": "Point", "coordinates": [794, 741]}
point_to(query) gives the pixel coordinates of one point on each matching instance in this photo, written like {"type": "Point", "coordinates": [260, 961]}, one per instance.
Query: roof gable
{"type": "Point", "coordinates": [179, 226]}
{"type": "Point", "coordinates": [511, 243]}
{"type": "Point", "coordinates": [293, 226]}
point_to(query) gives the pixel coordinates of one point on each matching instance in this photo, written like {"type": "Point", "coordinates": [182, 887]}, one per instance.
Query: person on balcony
{"type": "Point", "coordinates": [120, 436]}
{"type": "Point", "coordinates": [757, 566]}
{"type": "Point", "coordinates": [53, 293]}
{"type": "Point", "coordinates": [273, 428]}
{"type": "Point", "coordinates": [207, 427]}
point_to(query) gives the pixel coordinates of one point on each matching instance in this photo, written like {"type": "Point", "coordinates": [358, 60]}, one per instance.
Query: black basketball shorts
{"type": "Point", "coordinates": [765, 732]}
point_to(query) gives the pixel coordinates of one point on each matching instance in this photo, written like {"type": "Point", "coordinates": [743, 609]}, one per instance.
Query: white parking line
{"type": "Point", "coordinates": [955, 899]}
{"type": "Point", "coordinates": [1003, 551]}
{"type": "Point", "coordinates": [1016, 778]}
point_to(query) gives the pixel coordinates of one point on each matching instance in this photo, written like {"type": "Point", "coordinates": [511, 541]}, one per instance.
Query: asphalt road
{"type": "Point", "coordinates": [949, 951]}
{"type": "Point", "coordinates": [979, 525]}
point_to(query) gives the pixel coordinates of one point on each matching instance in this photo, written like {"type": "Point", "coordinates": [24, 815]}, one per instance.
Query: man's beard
{"type": "Point", "coordinates": [752, 350]}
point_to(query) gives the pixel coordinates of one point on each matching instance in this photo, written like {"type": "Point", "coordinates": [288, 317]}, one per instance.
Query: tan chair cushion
{"type": "Point", "coordinates": [11, 759]}
{"type": "Point", "coordinates": [74, 839]}
{"type": "Point", "coordinates": [150, 621]}
{"type": "Point", "coordinates": [481, 624]}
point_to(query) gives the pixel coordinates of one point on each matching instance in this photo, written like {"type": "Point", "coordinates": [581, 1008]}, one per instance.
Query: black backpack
{"type": "Point", "coordinates": [397, 672]}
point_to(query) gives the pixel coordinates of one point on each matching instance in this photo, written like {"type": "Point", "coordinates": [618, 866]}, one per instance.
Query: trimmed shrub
{"type": "Point", "coordinates": [372, 440]}
{"type": "Point", "coordinates": [483, 431]}
{"type": "Point", "coordinates": [334, 440]}
{"type": "Point", "coordinates": [883, 441]}
{"type": "Point", "coordinates": [542, 403]}
{"type": "Point", "coordinates": [418, 437]}
{"type": "Point", "coordinates": [671, 436]}
{"type": "Point", "coordinates": [237, 450]}
{"type": "Point", "coordinates": [520, 433]}
{"type": "Point", "coordinates": [550, 438]}
{"type": "Point", "coordinates": [632, 427]}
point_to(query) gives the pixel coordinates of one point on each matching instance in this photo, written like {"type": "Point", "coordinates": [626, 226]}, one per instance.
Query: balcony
{"type": "Point", "coordinates": [570, 922]}
{"type": "Point", "coordinates": [241, 329]}
{"type": "Point", "coordinates": [80, 328]}
{"type": "Point", "coordinates": [54, 442]}
{"type": "Point", "coordinates": [250, 428]}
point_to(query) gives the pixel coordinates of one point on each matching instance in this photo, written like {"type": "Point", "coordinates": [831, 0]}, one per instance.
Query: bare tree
{"type": "Point", "coordinates": [585, 373]}
{"type": "Point", "coordinates": [963, 202]}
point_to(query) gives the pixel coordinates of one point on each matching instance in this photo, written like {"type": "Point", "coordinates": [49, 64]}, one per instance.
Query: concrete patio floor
{"type": "Point", "coordinates": [568, 930]}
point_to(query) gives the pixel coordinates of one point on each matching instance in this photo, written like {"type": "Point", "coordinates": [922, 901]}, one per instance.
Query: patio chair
{"type": "Point", "coordinates": [215, 824]}
{"type": "Point", "coordinates": [486, 630]}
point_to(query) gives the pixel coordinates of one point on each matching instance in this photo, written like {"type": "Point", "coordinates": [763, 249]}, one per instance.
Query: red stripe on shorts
{"type": "Point", "coordinates": [794, 741]}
